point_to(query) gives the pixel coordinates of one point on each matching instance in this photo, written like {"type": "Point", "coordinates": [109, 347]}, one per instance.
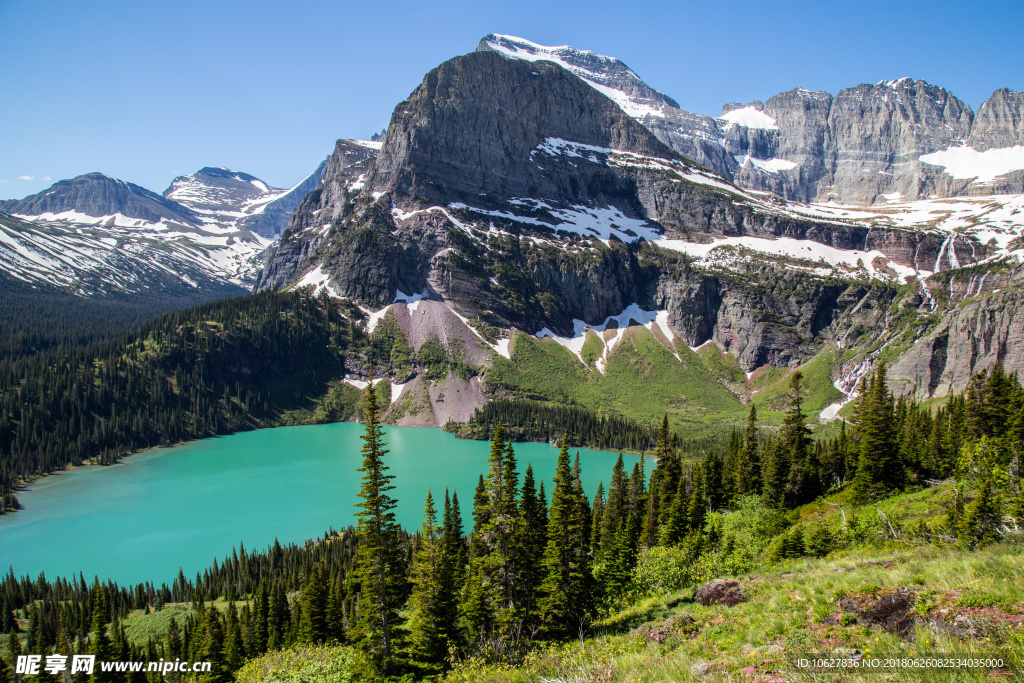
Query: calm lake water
{"type": "Point", "coordinates": [180, 507]}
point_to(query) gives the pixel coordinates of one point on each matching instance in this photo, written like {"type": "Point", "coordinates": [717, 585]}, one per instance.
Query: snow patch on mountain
{"type": "Point", "coordinates": [369, 144]}
{"type": "Point", "coordinates": [846, 261]}
{"type": "Point", "coordinates": [984, 167]}
{"type": "Point", "coordinates": [749, 117]}
{"type": "Point", "coordinates": [767, 165]}
{"type": "Point", "coordinates": [596, 74]}
{"type": "Point", "coordinates": [600, 222]}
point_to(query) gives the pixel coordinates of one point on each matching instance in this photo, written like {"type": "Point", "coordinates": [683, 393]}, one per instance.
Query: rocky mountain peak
{"type": "Point", "coordinates": [608, 75]}
{"type": "Point", "coordinates": [999, 122]}
{"type": "Point", "coordinates": [99, 195]}
{"type": "Point", "coordinates": [468, 133]}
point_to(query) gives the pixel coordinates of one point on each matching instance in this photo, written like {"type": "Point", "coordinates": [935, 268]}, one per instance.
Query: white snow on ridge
{"type": "Point", "coordinates": [560, 147]}
{"type": "Point", "coordinates": [602, 222]}
{"type": "Point", "coordinates": [769, 165]}
{"type": "Point", "coordinates": [315, 278]}
{"type": "Point", "coordinates": [749, 117]}
{"type": "Point", "coordinates": [512, 47]}
{"type": "Point", "coordinates": [611, 335]}
{"type": "Point", "coordinates": [967, 162]}
{"type": "Point", "coordinates": [370, 144]}
{"type": "Point", "coordinates": [807, 250]}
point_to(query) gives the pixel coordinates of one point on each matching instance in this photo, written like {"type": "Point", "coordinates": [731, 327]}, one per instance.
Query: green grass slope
{"type": "Point", "coordinates": [642, 380]}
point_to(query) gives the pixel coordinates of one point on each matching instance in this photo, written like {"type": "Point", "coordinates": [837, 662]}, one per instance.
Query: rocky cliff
{"type": "Point", "coordinates": [871, 144]}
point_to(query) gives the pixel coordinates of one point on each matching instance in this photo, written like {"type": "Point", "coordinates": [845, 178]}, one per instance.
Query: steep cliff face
{"type": "Point", "coordinates": [999, 122]}
{"type": "Point", "coordinates": [694, 136]}
{"type": "Point", "coordinates": [877, 134]}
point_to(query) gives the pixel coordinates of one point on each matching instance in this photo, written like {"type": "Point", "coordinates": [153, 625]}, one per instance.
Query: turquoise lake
{"type": "Point", "coordinates": [156, 511]}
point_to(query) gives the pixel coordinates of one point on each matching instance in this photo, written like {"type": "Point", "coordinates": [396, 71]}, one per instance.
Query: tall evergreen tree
{"type": "Point", "coordinates": [795, 440]}
{"type": "Point", "coordinates": [748, 472]}
{"type": "Point", "coordinates": [314, 628]}
{"type": "Point", "coordinates": [531, 544]}
{"type": "Point", "coordinates": [380, 568]}
{"type": "Point", "coordinates": [564, 606]}
{"type": "Point", "coordinates": [101, 646]}
{"type": "Point", "coordinates": [425, 624]}
{"type": "Point", "coordinates": [878, 468]}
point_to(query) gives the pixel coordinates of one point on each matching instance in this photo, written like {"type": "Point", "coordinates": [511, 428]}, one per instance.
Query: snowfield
{"type": "Point", "coordinates": [749, 117]}
{"type": "Point", "coordinates": [984, 167]}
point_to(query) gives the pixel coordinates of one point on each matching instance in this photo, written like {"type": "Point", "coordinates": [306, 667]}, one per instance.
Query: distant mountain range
{"type": "Point", "coordinates": [96, 235]}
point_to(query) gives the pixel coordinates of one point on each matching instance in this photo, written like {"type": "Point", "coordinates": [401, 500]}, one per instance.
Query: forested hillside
{"type": "Point", "coordinates": [218, 368]}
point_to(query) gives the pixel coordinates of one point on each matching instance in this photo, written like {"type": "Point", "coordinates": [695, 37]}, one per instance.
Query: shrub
{"type": "Point", "coordinates": [664, 569]}
{"type": "Point", "coordinates": [304, 664]}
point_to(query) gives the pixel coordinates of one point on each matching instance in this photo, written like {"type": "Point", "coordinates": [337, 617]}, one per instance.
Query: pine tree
{"type": "Point", "coordinates": [615, 507]}
{"type": "Point", "coordinates": [278, 618]}
{"type": "Point", "coordinates": [100, 646]}
{"type": "Point", "coordinates": [379, 568]}
{"type": "Point", "coordinates": [234, 649]}
{"type": "Point", "coordinates": [748, 472]}
{"type": "Point", "coordinates": [674, 531]}
{"type": "Point", "coordinates": [213, 649]}
{"type": "Point", "coordinates": [795, 441]}
{"type": "Point", "coordinates": [878, 469]}
{"type": "Point", "coordinates": [428, 644]}
{"type": "Point", "coordinates": [981, 523]}
{"type": "Point", "coordinates": [313, 628]}
{"type": "Point", "coordinates": [597, 515]}
{"type": "Point", "coordinates": [564, 606]}
{"type": "Point", "coordinates": [531, 544]}
{"type": "Point", "coordinates": [776, 473]}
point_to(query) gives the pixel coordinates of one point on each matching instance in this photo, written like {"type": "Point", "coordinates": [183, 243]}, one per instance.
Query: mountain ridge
{"type": "Point", "coordinates": [882, 129]}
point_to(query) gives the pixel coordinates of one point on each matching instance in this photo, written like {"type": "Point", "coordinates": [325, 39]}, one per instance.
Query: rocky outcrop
{"type": "Point", "coordinates": [877, 133]}
{"type": "Point", "coordinates": [999, 122]}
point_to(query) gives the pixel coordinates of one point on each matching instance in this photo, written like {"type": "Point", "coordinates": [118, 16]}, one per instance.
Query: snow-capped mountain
{"type": "Point", "coordinates": [527, 193]}
{"type": "Point", "coordinates": [898, 140]}
{"type": "Point", "coordinates": [230, 199]}
{"type": "Point", "coordinates": [94, 234]}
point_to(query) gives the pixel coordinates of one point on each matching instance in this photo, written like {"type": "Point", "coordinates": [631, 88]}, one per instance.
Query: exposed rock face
{"type": "Point", "coordinates": [469, 130]}
{"type": "Point", "coordinates": [971, 338]}
{"type": "Point", "coordinates": [95, 194]}
{"type": "Point", "coordinates": [999, 122]}
{"type": "Point", "coordinates": [877, 133]}
{"type": "Point", "coordinates": [695, 136]}
{"type": "Point", "coordinates": [313, 216]}
{"type": "Point", "coordinates": [273, 220]}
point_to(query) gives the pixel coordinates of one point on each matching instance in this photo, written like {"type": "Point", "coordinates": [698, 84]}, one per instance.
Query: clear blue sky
{"type": "Point", "coordinates": [145, 91]}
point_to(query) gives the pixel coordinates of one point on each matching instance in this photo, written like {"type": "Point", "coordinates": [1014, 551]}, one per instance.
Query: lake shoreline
{"type": "Point", "coordinates": [183, 506]}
